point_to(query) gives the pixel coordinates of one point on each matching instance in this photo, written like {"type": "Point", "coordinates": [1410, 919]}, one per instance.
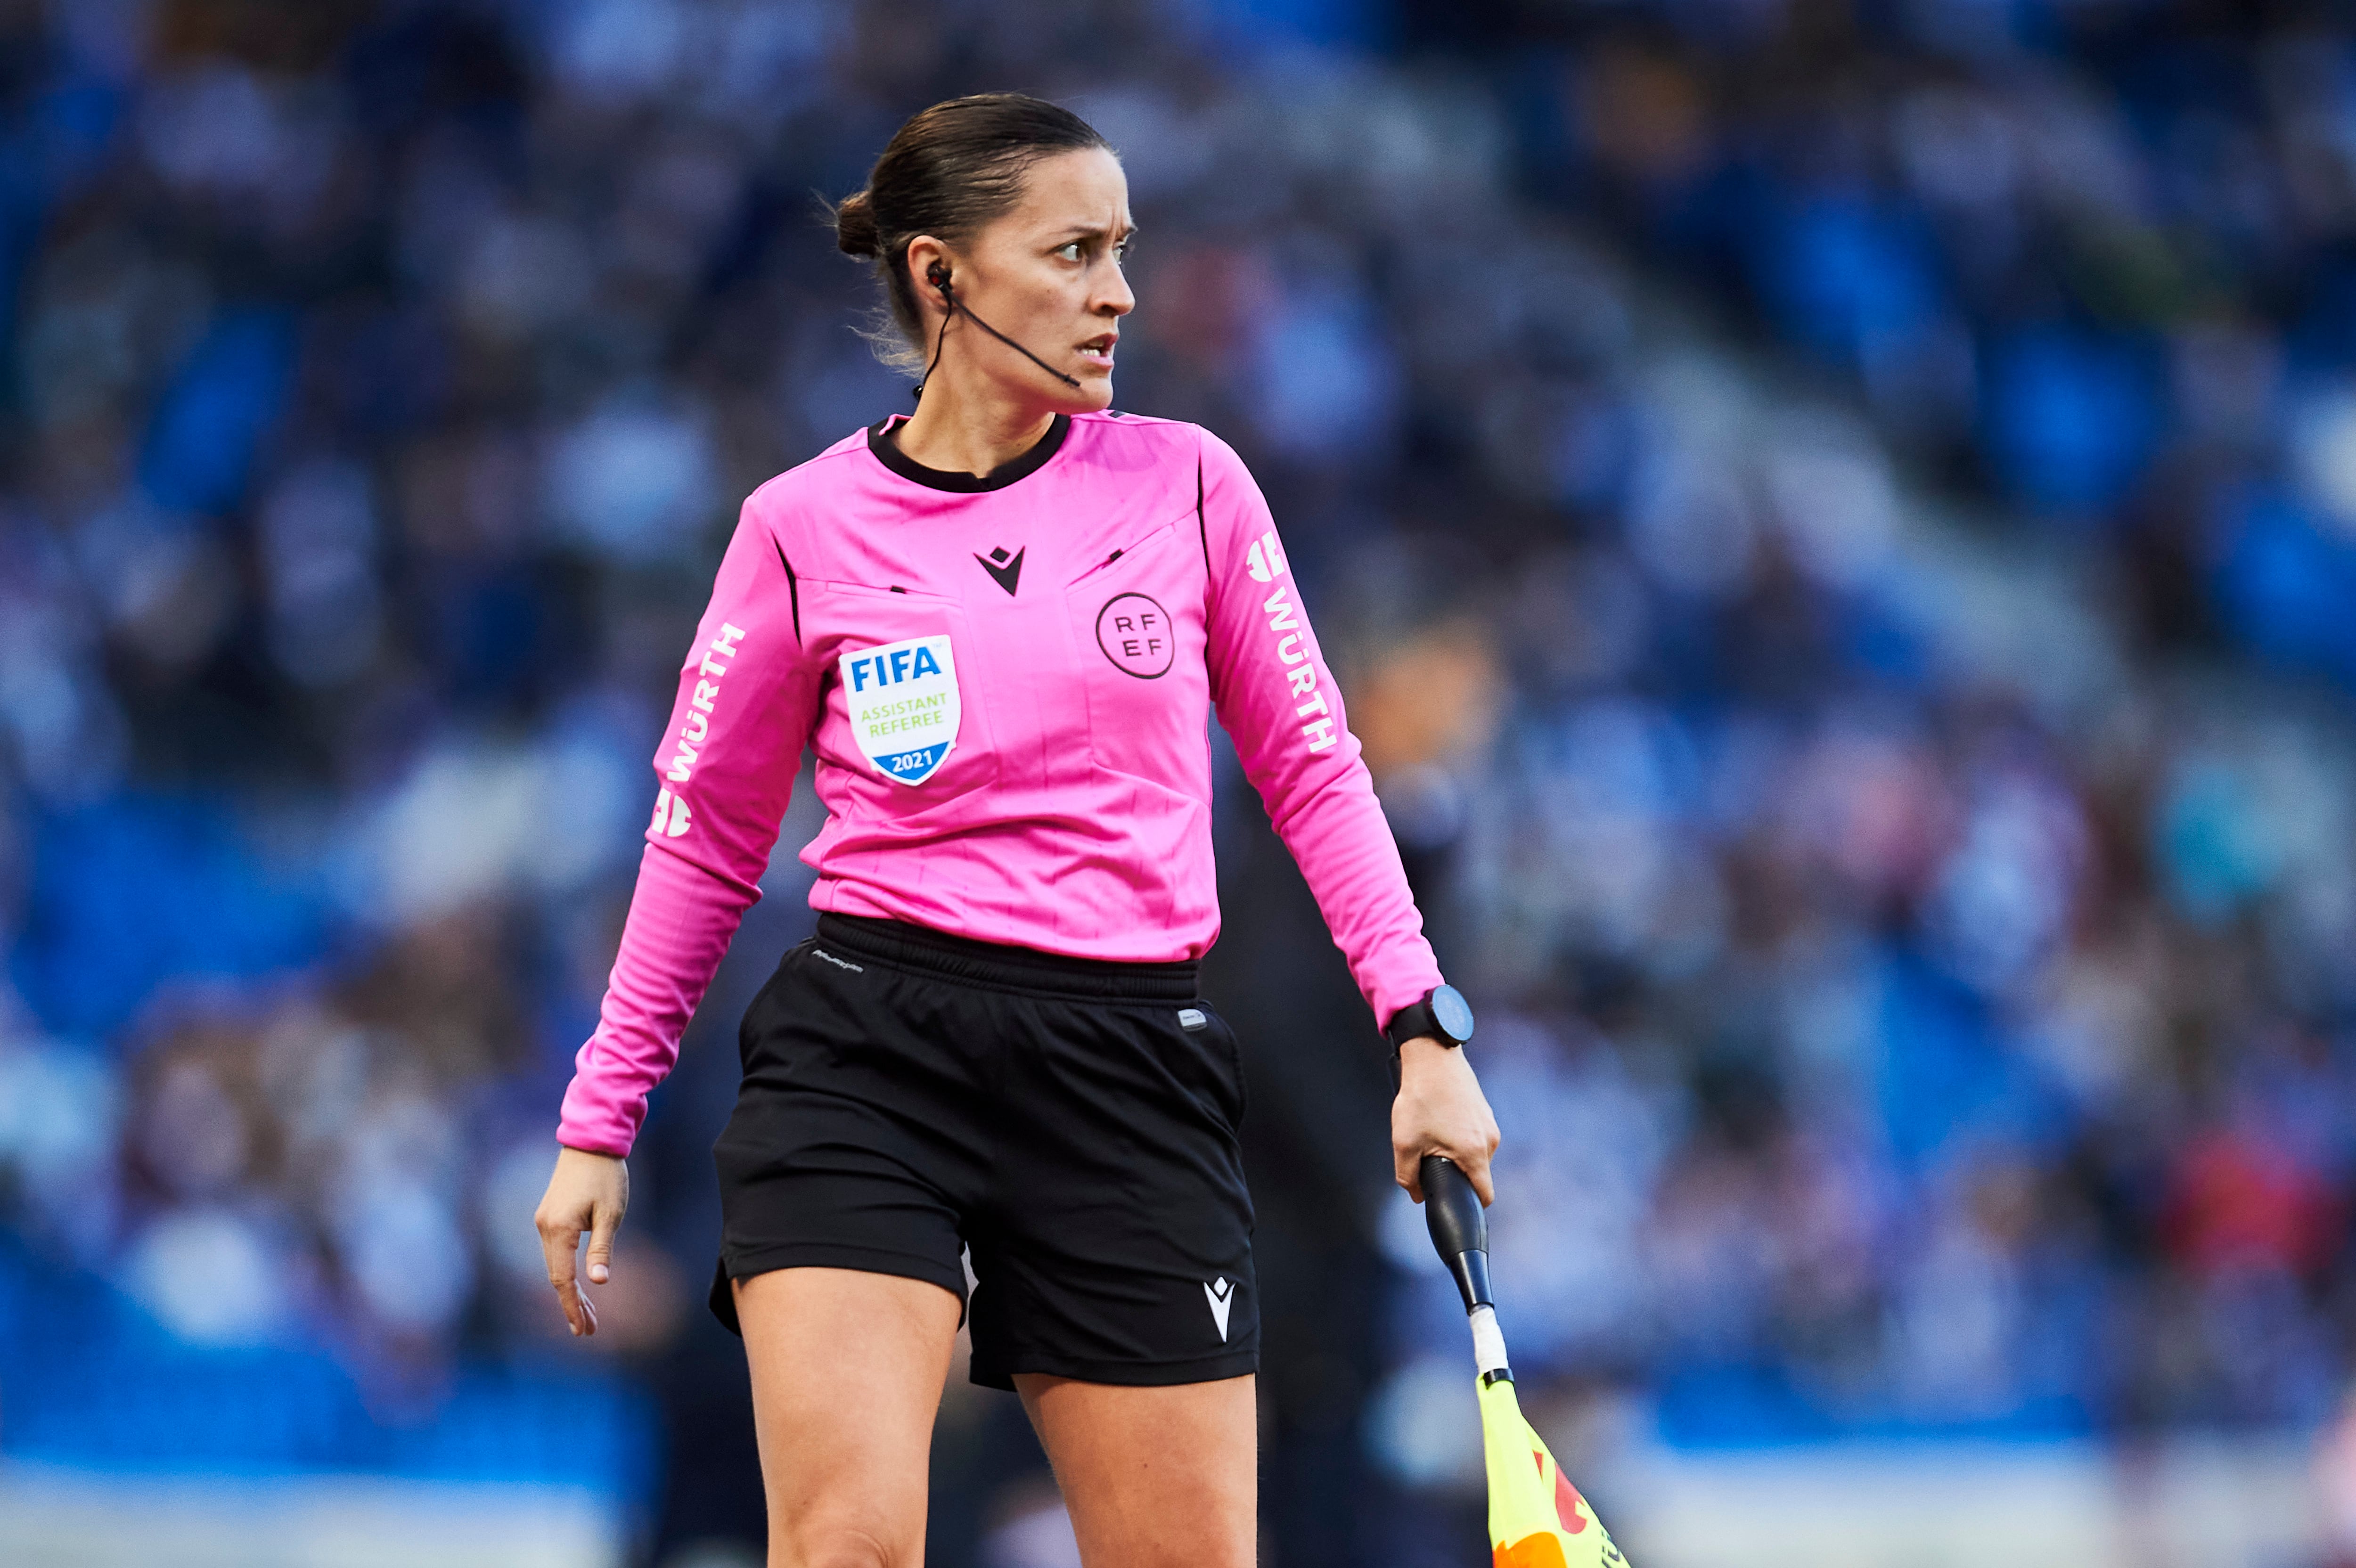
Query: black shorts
{"type": "Point", "coordinates": [908, 1095]}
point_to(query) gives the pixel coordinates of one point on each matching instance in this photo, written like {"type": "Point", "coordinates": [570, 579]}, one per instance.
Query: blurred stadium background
{"type": "Point", "coordinates": [1840, 520]}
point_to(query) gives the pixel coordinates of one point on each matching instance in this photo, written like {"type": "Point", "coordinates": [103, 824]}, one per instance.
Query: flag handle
{"type": "Point", "coordinates": [1459, 1230]}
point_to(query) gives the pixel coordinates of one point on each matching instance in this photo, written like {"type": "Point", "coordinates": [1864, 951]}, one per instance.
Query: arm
{"type": "Point", "coordinates": [1277, 700]}
{"type": "Point", "coordinates": [724, 774]}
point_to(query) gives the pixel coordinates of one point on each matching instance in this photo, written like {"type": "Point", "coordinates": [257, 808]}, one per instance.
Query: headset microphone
{"type": "Point", "coordinates": [939, 276]}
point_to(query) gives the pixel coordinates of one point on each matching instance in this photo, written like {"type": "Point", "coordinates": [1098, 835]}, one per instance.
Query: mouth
{"type": "Point", "coordinates": [1096, 352]}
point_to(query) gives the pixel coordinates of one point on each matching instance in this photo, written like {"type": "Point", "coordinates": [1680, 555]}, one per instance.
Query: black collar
{"type": "Point", "coordinates": [881, 441]}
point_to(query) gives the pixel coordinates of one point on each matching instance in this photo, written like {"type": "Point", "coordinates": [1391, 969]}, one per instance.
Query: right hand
{"type": "Point", "coordinates": [1440, 1110]}
{"type": "Point", "coordinates": [586, 1192]}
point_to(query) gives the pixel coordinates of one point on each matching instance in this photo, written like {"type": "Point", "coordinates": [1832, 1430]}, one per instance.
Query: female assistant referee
{"type": "Point", "coordinates": [1001, 624]}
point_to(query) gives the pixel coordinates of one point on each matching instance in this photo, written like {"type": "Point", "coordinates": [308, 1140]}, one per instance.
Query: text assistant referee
{"type": "Point", "coordinates": [1001, 626]}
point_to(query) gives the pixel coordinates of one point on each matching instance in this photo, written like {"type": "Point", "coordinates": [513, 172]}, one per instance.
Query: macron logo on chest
{"type": "Point", "coordinates": [1004, 570]}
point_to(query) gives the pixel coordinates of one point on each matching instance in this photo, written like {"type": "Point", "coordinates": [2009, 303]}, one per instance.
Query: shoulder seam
{"type": "Point", "coordinates": [793, 587]}
{"type": "Point", "coordinates": [1127, 418]}
{"type": "Point", "coordinates": [779, 479]}
{"type": "Point", "coordinates": [1203, 532]}
{"type": "Point", "coordinates": [838, 450]}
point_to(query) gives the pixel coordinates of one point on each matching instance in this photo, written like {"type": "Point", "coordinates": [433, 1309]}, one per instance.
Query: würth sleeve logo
{"type": "Point", "coordinates": [670, 815]}
{"type": "Point", "coordinates": [719, 656]}
{"type": "Point", "coordinates": [1299, 671]}
{"type": "Point", "coordinates": [1265, 559]}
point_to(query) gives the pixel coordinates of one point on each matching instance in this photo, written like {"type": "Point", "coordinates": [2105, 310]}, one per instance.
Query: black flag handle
{"type": "Point", "coordinates": [1459, 1230]}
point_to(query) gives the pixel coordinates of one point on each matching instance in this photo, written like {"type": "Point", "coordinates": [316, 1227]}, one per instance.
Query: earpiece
{"type": "Point", "coordinates": [937, 275]}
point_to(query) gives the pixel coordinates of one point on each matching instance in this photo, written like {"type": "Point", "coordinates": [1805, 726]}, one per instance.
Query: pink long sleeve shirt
{"type": "Point", "coordinates": [1007, 684]}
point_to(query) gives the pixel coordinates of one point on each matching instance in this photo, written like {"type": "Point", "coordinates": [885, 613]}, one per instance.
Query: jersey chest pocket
{"type": "Point", "coordinates": [898, 720]}
{"type": "Point", "coordinates": [1138, 634]}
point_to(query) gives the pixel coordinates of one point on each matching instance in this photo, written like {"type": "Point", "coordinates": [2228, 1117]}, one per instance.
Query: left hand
{"type": "Point", "coordinates": [1440, 1110]}
{"type": "Point", "coordinates": [587, 1192]}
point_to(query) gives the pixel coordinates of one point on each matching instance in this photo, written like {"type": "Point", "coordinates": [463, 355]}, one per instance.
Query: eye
{"type": "Point", "coordinates": [1070, 253]}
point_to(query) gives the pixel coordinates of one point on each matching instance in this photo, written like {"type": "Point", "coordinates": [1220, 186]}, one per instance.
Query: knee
{"type": "Point", "coordinates": [838, 1546]}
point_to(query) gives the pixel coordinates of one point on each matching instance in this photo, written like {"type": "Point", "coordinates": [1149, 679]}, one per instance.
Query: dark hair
{"type": "Point", "coordinates": [949, 172]}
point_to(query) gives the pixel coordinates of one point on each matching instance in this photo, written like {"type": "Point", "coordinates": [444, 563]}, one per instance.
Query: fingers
{"type": "Point", "coordinates": [1476, 1168]}
{"type": "Point", "coordinates": [587, 1192]}
{"type": "Point", "coordinates": [1473, 1158]}
{"type": "Point", "coordinates": [559, 1242]}
{"type": "Point", "coordinates": [605, 1219]}
{"type": "Point", "coordinates": [1470, 1146]}
{"type": "Point", "coordinates": [1440, 1109]}
{"type": "Point", "coordinates": [559, 1239]}
{"type": "Point", "coordinates": [1407, 1168]}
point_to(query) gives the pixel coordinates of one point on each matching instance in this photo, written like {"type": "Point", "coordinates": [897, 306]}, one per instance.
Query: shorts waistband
{"type": "Point", "coordinates": [998, 963]}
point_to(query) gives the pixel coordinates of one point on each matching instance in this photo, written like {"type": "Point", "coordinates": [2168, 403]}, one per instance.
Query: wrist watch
{"type": "Point", "coordinates": [1442, 1014]}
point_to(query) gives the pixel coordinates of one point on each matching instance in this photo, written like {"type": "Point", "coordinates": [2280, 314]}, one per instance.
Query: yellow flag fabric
{"type": "Point", "coordinates": [1537, 1518]}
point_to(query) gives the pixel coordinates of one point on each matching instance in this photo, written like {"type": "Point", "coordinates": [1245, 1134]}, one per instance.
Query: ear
{"type": "Point", "coordinates": [925, 252]}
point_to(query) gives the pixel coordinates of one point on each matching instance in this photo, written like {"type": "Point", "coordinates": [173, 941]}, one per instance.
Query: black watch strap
{"type": "Point", "coordinates": [1413, 1021]}
{"type": "Point", "coordinates": [1440, 1014]}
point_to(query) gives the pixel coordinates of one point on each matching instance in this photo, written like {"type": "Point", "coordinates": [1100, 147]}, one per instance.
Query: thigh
{"type": "Point", "coordinates": [847, 1375]}
{"type": "Point", "coordinates": [1154, 1478]}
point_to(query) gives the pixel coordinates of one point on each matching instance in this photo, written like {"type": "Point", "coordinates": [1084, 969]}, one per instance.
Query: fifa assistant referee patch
{"type": "Point", "coordinates": [903, 702]}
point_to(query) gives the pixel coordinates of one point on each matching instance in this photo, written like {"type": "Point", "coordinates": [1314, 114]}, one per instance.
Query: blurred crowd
{"type": "Point", "coordinates": [1838, 518]}
{"type": "Point", "coordinates": [1920, 837]}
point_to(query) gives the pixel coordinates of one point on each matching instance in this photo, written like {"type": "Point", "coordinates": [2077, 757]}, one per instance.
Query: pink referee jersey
{"type": "Point", "coordinates": [1007, 683]}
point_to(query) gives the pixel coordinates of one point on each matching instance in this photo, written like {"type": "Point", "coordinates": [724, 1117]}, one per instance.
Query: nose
{"type": "Point", "coordinates": [1116, 299]}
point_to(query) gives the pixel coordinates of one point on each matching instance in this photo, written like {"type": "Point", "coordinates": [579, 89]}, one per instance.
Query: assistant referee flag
{"type": "Point", "coordinates": [1537, 1518]}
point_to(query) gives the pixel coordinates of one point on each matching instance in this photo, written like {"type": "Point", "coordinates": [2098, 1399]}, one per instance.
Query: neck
{"type": "Point", "coordinates": [961, 428]}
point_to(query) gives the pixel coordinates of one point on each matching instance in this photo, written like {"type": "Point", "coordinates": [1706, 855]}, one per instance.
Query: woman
{"type": "Point", "coordinates": [1002, 624]}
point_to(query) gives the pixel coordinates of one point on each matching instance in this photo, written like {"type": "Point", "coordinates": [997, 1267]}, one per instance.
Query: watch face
{"type": "Point", "coordinates": [1452, 1012]}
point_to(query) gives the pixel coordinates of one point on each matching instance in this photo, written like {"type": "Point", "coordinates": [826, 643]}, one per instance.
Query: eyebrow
{"type": "Point", "coordinates": [1085, 231]}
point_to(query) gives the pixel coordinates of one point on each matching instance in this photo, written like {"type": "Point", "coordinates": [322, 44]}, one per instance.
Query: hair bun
{"type": "Point", "coordinates": [855, 233]}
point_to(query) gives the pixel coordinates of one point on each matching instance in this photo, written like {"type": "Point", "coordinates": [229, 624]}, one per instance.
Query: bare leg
{"type": "Point", "coordinates": [1154, 1478]}
{"type": "Point", "coordinates": [847, 1375]}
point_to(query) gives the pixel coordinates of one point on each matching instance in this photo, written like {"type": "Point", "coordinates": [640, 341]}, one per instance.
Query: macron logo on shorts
{"type": "Point", "coordinates": [1221, 1294]}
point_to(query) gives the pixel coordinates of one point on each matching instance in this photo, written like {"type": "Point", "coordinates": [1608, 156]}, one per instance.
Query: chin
{"type": "Point", "coordinates": [1093, 395]}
